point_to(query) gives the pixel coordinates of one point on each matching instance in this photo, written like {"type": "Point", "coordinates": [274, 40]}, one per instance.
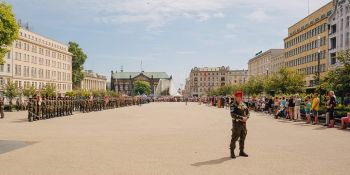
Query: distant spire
{"type": "Point", "coordinates": [121, 69]}
{"type": "Point", "coordinates": [141, 66]}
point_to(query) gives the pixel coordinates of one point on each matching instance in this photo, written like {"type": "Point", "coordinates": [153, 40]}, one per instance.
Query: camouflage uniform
{"type": "Point", "coordinates": [239, 129]}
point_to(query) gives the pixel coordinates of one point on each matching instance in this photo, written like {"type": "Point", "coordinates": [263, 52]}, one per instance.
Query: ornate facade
{"type": "Point", "coordinates": [123, 82]}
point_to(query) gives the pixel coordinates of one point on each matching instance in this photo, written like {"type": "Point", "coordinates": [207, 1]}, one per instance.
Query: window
{"type": "Point", "coordinates": [9, 55]}
{"type": "Point", "coordinates": [8, 68]}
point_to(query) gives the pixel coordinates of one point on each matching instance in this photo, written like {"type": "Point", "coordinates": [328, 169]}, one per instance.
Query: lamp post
{"type": "Point", "coordinates": [319, 60]}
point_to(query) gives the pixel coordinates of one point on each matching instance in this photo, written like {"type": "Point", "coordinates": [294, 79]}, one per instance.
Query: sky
{"type": "Point", "coordinates": [166, 35]}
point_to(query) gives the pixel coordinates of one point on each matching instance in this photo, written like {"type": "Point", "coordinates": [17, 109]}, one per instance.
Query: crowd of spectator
{"type": "Point", "coordinates": [292, 107]}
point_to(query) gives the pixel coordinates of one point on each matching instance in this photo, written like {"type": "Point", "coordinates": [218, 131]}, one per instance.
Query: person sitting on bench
{"type": "Point", "coordinates": [345, 121]}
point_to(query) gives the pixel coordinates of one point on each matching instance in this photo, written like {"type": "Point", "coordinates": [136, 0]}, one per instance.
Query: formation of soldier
{"type": "Point", "coordinates": [42, 108]}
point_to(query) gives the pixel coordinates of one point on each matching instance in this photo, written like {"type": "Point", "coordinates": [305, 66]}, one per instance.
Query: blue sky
{"type": "Point", "coordinates": [167, 35]}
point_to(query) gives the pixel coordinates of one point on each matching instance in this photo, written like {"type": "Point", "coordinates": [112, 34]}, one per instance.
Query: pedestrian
{"type": "Point", "coordinates": [297, 102]}
{"type": "Point", "coordinates": [328, 101]}
{"type": "Point", "coordinates": [332, 105]}
{"type": "Point", "coordinates": [240, 114]}
{"type": "Point", "coordinates": [276, 106]}
{"type": "Point", "coordinates": [291, 106]}
{"type": "Point", "coordinates": [307, 109]}
{"type": "Point", "coordinates": [345, 121]}
{"type": "Point", "coordinates": [2, 107]}
{"type": "Point", "coordinates": [315, 108]}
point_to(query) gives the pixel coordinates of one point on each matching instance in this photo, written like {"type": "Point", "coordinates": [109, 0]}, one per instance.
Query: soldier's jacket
{"type": "Point", "coordinates": [238, 111]}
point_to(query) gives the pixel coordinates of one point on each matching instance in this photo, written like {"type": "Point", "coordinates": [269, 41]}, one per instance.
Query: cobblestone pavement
{"type": "Point", "coordinates": [166, 139]}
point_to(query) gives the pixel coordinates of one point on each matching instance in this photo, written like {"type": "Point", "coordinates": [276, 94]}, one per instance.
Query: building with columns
{"type": "Point", "coordinates": [123, 82]}
{"type": "Point", "coordinates": [93, 81]}
{"type": "Point", "coordinates": [36, 60]}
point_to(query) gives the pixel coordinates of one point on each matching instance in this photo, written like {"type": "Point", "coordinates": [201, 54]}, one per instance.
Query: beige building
{"type": "Point", "coordinates": [203, 80]}
{"type": "Point", "coordinates": [307, 42]}
{"type": "Point", "coordinates": [265, 63]}
{"type": "Point", "coordinates": [93, 81]}
{"type": "Point", "coordinates": [277, 63]}
{"type": "Point", "coordinates": [237, 77]}
{"type": "Point", "coordinates": [35, 60]}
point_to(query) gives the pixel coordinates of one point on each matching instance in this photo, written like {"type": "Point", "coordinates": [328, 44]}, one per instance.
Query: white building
{"type": "Point", "coordinates": [339, 33]}
{"type": "Point", "coordinates": [35, 60]}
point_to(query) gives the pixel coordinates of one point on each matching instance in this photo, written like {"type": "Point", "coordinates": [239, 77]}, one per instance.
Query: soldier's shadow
{"type": "Point", "coordinates": [212, 162]}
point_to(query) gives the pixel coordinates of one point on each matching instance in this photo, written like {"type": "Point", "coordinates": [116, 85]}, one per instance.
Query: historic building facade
{"type": "Point", "coordinates": [265, 63]}
{"type": "Point", "coordinates": [307, 41]}
{"type": "Point", "coordinates": [237, 77]}
{"type": "Point", "coordinates": [339, 33]}
{"type": "Point", "coordinates": [35, 60]}
{"type": "Point", "coordinates": [93, 81]}
{"type": "Point", "coordinates": [203, 80]}
{"type": "Point", "coordinates": [123, 82]}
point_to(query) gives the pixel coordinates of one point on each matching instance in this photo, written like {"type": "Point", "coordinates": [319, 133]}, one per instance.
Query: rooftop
{"type": "Point", "coordinates": [127, 75]}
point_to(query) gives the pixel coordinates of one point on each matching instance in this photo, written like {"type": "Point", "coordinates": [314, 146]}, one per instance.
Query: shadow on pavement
{"type": "Point", "coordinates": [20, 121]}
{"type": "Point", "coordinates": [212, 162]}
{"type": "Point", "coordinates": [10, 145]}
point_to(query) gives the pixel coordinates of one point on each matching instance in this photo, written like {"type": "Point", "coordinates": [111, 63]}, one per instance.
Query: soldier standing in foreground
{"type": "Point", "coordinates": [240, 115]}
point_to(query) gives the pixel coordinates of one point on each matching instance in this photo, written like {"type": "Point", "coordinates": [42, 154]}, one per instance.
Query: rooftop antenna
{"type": "Point", "coordinates": [141, 66]}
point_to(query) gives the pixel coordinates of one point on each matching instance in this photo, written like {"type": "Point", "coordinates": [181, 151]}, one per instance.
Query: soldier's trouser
{"type": "Point", "coordinates": [239, 131]}
{"type": "Point", "coordinates": [2, 113]}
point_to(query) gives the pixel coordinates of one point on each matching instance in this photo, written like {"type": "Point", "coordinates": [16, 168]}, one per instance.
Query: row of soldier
{"type": "Point", "coordinates": [41, 108]}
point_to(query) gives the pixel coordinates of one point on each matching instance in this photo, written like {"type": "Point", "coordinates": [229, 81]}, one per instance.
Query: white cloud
{"type": "Point", "coordinates": [157, 13]}
{"type": "Point", "coordinates": [259, 16]}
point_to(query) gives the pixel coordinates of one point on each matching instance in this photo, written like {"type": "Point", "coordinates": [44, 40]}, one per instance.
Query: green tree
{"type": "Point", "coordinates": [288, 81]}
{"type": "Point", "coordinates": [142, 87]}
{"type": "Point", "coordinates": [29, 91]}
{"type": "Point", "coordinates": [255, 85]}
{"type": "Point", "coordinates": [8, 29]}
{"type": "Point", "coordinates": [11, 92]}
{"type": "Point", "coordinates": [49, 91]}
{"type": "Point", "coordinates": [78, 60]}
{"type": "Point", "coordinates": [339, 80]}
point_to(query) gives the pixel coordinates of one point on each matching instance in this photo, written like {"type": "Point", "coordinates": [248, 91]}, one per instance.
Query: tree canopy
{"type": "Point", "coordinates": [339, 80]}
{"type": "Point", "coordinates": [78, 60]}
{"type": "Point", "coordinates": [284, 81]}
{"type": "Point", "coordinates": [8, 29]}
{"type": "Point", "coordinates": [142, 87]}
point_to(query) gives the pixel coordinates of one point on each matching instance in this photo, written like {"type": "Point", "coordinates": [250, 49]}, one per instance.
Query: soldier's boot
{"type": "Point", "coordinates": [233, 156]}
{"type": "Point", "coordinates": [242, 153]}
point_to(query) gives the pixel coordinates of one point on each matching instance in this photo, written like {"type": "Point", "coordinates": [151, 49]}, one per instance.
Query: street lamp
{"type": "Point", "coordinates": [318, 60]}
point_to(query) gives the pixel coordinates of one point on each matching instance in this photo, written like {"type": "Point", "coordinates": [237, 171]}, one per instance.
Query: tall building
{"type": "Point", "coordinates": [123, 82]}
{"type": "Point", "coordinates": [203, 80]}
{"type": "Point", "coordinates": [93, 81]}
{"type": "Point", "coordinates": [35, 60]}
{"type": "Point", "coordinates": [277, 63]}
{"type": "Point", "coordinates": [237, 77]}
{"type": "Point", "coordinates": [307, 41]}
{"type": "Point", "coordinates": [339, 33]}
{"type": "Point", "coordinates": [262, 63]}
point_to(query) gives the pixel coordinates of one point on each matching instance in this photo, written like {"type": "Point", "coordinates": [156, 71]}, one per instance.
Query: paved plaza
{"type": "Point", "coordinates": [166, 139]}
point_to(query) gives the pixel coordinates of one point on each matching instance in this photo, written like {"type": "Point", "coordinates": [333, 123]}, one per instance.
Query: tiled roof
{"type": "Point", "coordinates": [126, 75]}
